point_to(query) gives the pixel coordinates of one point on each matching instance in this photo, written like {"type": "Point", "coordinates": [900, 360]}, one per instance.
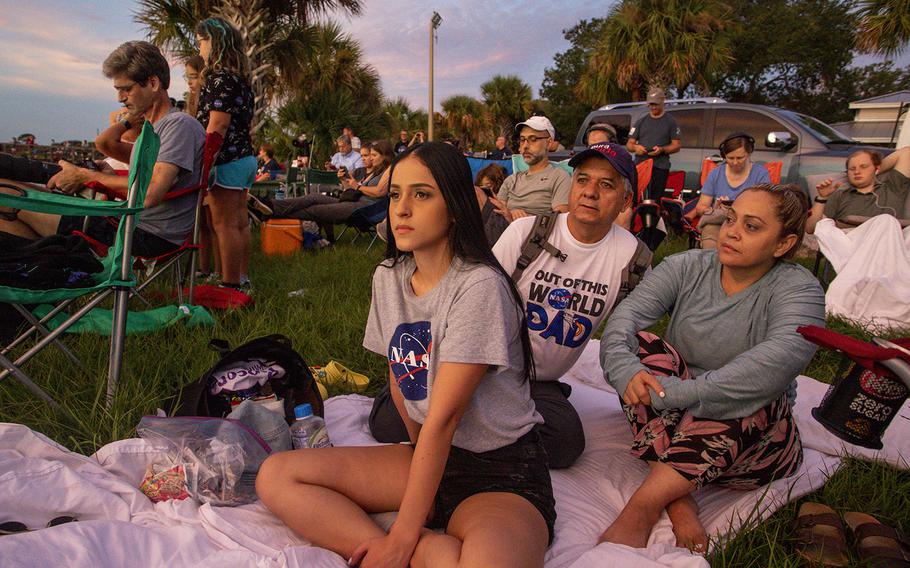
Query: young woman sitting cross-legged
{"type": "Point", "coordinates": [450, 322]}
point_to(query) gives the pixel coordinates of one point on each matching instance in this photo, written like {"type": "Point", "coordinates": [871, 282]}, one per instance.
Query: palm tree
{"type": "Point", "coordinates": [397, 115]}
{"type": "Point", "coordinates": [884, 26]}
{"type": "Point", "coordinates": [276, 33]}
{"type": "Point", "coordinates": [465, 118]}
{"type": "Point", "coordinates": [657, 43]}
{"type": "Point", "coordinates": [335, 89]}
{"type": "Point", "coordinates": [508, 101]}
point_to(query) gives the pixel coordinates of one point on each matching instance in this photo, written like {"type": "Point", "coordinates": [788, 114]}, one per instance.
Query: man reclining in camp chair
{"type": "Point", "coordinates": [141, 76]}
{"type": "Point", "coordinates": [872, 261]}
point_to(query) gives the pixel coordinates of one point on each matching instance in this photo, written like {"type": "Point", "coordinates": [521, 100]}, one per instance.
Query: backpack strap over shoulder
{"type": "Point", "coordinates": [537, 242]}
{"type": "Point", "coordinates": [634, 271]}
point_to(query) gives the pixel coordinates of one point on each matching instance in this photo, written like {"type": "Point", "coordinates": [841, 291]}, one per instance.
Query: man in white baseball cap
{"type": "Point", "coordinates": [541, 189]}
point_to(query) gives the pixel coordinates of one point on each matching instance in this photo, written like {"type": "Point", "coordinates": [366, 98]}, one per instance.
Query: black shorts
{"type": "Point", "coordinates": [519, 468]}
{"type": "Point", "coordinates": [104, 229]}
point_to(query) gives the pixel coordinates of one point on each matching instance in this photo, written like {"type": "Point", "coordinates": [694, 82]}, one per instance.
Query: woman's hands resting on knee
{"type": "Point", "coordinates": [637, 391]}
{"type": "Point", "coordinates": [389, 550]}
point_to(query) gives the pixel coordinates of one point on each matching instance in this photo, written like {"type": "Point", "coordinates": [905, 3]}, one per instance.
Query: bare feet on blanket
{"type": "Point", "coordinates": [687, 527]}
{"type": "Point", "coordinates": [632, 528]}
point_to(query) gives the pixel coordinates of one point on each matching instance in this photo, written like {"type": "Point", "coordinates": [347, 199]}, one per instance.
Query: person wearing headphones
{"type": "Point", "coordinates": [725, 183]}
{"type": "Point", "coordinates": [600, 132]}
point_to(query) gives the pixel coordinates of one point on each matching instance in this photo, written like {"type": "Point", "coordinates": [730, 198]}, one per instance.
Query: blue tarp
{"type": "Point", "coordinates": [478, 164]}
{"type": "Point", "coordinates": [513, 164]}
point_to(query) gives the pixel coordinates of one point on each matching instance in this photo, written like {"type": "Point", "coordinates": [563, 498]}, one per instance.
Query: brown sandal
{"type": "Point", "coordinates": [820, 535]}
{"type": "Point", "coordinates": [878, 545]}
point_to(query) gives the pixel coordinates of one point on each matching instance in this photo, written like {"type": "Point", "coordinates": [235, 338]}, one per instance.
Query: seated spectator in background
{"type": "Point", "coordinates": [872, 261]}
{"type": "Point", "coordinates": [329, 210]}
{"type": "Point", "coordinates": [402, 145]}
{"type": "Point", "coordinates": [490, 178]}
{"type": "Point", "coordinates": [600, 132]}
{"type": "Point", "coordinates": [270, 167]}
{"type": "Point", "coordinates": [487, 183]}
{"type": "Point", "coordinates": [366, 156]}
{"type": "Point", "coordinates": [554, 145]}
{"type": "Point", "coordinates": [141, 76]}
{"type": "Point", "coordinates": [725, 183]}
{"type": "Point", "coordinates": [876, 187]}
{"type": "Point", "coordinates": [502, 151]}
{"type": "Point", "coordinates": [192, 72]}
{"type": "Point", "coordinates": [349, 132]}
{"type": "Point", "coordinates": [712, 403]}
{"type": "Point", "coordinates": [345, 157]}
{"type": "Point", "coordinates": [542, 188]}
{"type": "Point", "coordinates": [418, 138]}
{"type": "Point", "coordinates": [110, 165]}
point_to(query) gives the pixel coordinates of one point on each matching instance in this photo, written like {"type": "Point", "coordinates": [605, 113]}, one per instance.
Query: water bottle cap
{"type": "Point", "coordinates": [302, 411]}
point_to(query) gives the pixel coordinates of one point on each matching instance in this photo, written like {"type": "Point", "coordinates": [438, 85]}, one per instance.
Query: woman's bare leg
{"type": "Point", "coordinates": [478, 530]}
{"type": "Point", "coordinates": [662, 487]}
{"type": "Point", "coordinates": [226, 206]}
{"type": "Point", "coordinates": [325, 494]}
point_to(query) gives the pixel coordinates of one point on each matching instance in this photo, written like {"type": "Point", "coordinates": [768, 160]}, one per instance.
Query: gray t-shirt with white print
{"type": "Point", "coordinates": [468, 317]}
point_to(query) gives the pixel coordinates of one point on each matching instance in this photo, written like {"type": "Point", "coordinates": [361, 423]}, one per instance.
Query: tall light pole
{"type": "Point", "coordinates": [434, 23]}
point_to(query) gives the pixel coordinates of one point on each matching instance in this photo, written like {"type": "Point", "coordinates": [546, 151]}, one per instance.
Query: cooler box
{"type": "Point", "coordinates": [281, 236]}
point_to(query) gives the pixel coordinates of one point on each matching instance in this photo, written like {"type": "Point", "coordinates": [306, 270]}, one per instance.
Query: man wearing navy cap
{"type": "Point", "coordinates": [567, 297]}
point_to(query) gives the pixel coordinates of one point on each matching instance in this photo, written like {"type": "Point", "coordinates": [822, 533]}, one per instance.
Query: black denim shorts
{"type": "Point", "coordinates": [520, 468]}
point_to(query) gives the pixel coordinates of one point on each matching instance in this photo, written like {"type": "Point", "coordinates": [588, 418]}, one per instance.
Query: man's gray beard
{"type": "Point", "coordinates": [535, 160]}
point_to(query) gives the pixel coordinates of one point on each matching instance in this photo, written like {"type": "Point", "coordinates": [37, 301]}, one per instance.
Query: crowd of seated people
{"type": "Point", "coordinates": [357, 192]}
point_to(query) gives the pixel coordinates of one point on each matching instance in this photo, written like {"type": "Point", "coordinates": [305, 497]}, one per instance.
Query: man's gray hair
{"type": "Point", "coordinates": [344, 138]}
{"type": "Point", "coordinates": [138, 61]}
{"type": "Point", "coordinates": [627, 185]}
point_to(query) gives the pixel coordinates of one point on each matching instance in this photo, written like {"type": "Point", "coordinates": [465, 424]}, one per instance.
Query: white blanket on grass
{"type": "Point", "coordinates": [118, 526]}
{"type": "Point", "coordinates": [872, 261]}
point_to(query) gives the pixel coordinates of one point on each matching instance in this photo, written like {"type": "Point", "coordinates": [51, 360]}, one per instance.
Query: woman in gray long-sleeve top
{"type": "Point", "coordinates": [713, 403]}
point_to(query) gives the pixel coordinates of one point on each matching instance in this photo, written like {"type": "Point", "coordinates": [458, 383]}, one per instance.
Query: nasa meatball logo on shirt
{"type": "Point", "coordinates": [409, 357]}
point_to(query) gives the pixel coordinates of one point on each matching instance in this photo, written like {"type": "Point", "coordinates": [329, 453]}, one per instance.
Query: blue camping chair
{"type": "Point", "coordinates": [365, 219]}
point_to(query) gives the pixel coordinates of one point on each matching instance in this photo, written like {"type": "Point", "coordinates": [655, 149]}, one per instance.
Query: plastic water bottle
{"type": "Point", "coordinates": [279, 193]}
{"type": "Point", "coordinates": [309, 430]}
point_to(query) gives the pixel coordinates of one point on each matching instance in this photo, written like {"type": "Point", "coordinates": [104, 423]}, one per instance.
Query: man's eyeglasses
{"type": "Point", "coordinates": [124, 89]}
{"type": "Point", "coordinates": [531, 139]}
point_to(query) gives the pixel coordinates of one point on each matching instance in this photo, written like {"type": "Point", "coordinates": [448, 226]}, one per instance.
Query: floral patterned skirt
{"type": "Point", "coordinates": [740, 453]}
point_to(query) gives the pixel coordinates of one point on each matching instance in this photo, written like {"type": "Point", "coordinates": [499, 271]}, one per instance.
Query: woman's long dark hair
{"type": "Point", "coordinates": [467, 239]}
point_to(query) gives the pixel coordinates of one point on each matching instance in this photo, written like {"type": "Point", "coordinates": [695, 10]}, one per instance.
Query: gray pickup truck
{"type": "Point", "coordinates": [805, 145]}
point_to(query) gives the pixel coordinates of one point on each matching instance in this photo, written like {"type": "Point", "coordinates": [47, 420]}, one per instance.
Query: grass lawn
{"type": "Point", "coordinates": [327, 323]}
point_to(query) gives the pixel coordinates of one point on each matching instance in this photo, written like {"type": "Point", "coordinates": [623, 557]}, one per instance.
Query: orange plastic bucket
{"type": "Point", "coordinates": [281, 236]}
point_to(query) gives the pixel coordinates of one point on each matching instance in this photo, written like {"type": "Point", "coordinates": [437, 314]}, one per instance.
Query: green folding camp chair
{"type": "Point", "coordinates": [321, 181]}
{"type": "Point", "coordinates": [116, 277]}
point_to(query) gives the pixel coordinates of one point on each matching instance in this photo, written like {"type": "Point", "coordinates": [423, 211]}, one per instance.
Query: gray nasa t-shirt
{"type": "Point", "coordinates": [182, 141]}
{"type": "Point", "coordinates": [469, 317]}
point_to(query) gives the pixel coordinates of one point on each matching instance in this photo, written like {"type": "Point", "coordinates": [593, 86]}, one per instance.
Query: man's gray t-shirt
{"type": "Point", "coordinates": [468, 317]}
{"type": "Point", "coordinates": [182, 142]}
{"type": "Point", "coordinates": [742, 351]}
{"type": "Point", "coordinates": [650, 132]}
{"type": "Point", "coordinates": [888, 198]}
{"type": "Point", "coordinates": [536, 193]}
